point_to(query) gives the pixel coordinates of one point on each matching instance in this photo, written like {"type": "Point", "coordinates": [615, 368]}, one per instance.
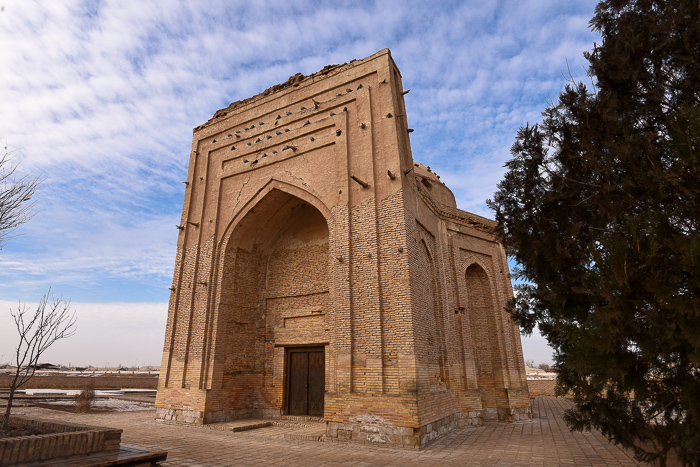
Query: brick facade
{"type": "Point", "coordinates": [306, 223]}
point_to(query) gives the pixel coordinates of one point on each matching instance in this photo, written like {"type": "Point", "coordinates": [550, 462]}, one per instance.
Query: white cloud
{"type": "Point", "coordinates": [101, 97]}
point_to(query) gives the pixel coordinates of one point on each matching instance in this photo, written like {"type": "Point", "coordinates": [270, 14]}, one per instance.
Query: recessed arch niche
{"type": "Point", "coordinates": [274, 293]}
{"type": "Point", "coordinates": [482, 316]}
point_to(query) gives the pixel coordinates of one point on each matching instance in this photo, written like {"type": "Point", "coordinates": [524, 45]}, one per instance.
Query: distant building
{"type": "Point", "coordinates": [321, 272]}
{"type": "Point", "coordinates": [44, 366]}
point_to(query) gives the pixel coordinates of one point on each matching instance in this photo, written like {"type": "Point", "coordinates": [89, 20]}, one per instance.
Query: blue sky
{"type": "Point", "coordinates": [100, 97]}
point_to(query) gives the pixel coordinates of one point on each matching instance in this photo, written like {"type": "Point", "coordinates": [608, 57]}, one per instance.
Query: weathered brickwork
{"type": "Point", "coordinates": [307, 225]}
{"type": "Point", "coordinates": [69, 440]}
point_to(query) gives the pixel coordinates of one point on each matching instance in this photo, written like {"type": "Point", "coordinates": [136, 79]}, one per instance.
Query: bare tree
{"type": "Point", "coordinates": [16, 193]}
{"type": "Point", "coordinates": [52, 320]}
{"type": "Point", "coordinates": [38, 330]}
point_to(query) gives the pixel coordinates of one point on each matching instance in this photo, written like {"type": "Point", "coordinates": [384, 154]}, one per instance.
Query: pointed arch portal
{"type": "Point", "coordinates": [274, 296]}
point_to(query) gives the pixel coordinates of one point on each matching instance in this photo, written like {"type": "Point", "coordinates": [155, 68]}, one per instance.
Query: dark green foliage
{"type": "Point", "coordinates": [600, 208]}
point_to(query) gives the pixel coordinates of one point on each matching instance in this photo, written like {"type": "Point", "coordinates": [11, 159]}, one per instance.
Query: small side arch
{"type": "Point", "coordinates": [484, 330]}
{"type": "Point", "coordinates": [432, 306]}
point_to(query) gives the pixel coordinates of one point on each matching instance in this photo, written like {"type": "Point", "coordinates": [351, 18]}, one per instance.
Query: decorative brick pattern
{"type": "Point", "coordinates": [307, 224]}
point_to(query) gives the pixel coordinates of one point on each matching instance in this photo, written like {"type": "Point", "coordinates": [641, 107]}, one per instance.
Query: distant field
{"type": "Point", "coordinates": [145, 381]}
{"type": "Point", "coordinates": [63, 381]}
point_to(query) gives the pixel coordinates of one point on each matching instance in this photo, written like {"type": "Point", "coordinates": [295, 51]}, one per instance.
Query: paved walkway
{"type": "Point", "coordinates": [543, 441]}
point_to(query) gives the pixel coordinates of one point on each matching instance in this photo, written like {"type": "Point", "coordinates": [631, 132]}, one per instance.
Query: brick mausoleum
{"type": "Point", "coordinates": [321, 272]}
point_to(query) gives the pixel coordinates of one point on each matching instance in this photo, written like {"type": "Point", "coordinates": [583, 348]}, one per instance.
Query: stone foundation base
{"type": "Point", "coordinates": [521, 413]}
{"type": "Point", "coordinates": [367, 429]}
{"type": "Point", "coordinates": [515, 414]}
{"type": "Point", "coordinates": [375, 430]}
{"type": "Point", "coordinates": [436, 429]}
{"type": "Point", "coordinates": [204, 417]}
{"type": "Point", "coordinates": [179, 415]}
{"type": "Point", "coordinates": [507, 415]}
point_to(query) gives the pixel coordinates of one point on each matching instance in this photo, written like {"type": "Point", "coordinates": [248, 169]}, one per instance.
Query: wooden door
{"type": "Point", "coordinates": [305, 381]}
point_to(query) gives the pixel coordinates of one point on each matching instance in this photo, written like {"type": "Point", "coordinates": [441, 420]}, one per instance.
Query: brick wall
{"type": "Point", "coordinates": [69, 440]}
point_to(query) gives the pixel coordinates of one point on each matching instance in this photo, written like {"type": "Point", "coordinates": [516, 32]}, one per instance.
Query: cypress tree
{"type": "Point", "coordinates": [600, 209]}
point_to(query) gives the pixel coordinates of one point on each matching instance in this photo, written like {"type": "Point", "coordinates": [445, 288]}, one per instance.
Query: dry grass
{"type": "Point", "coordinates": [14, 430]}
{"type": "Point", "coordinates": [138, 381]}
{"type": "Point", "coordinates": [84, 400]}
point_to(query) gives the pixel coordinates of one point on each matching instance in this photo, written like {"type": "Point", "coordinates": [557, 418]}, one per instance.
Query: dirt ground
{"type": "Point", "coordinates": [14, 430]}
{"type": "Point", "coordinates": [78, 381]}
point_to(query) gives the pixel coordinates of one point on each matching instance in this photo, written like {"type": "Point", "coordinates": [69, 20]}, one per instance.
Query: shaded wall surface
{"type": "Point", "coordinates": [320, 269]}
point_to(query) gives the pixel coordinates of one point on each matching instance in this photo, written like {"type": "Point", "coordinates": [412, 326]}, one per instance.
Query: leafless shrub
{"type": "Point", "coordinates": [84, 400]}
{"type": "Point", "coordinates": [38, 330]}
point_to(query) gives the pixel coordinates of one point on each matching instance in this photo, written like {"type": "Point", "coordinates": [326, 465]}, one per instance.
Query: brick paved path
{"type": "Point", "coordinates": [543, 441]}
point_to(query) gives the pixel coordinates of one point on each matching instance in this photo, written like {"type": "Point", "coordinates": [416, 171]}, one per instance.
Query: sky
{"type": "Point", "coordinates": [99, 99]}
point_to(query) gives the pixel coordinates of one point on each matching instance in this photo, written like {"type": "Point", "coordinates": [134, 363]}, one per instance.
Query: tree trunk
{"type": "Point", "coordinates": [6, 421]}
{"type": "Point", "coordinates": [13, 388]}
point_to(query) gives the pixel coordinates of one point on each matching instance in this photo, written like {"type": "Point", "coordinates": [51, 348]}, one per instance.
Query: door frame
{"type": "Point", "coordinates": [288, 375]}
